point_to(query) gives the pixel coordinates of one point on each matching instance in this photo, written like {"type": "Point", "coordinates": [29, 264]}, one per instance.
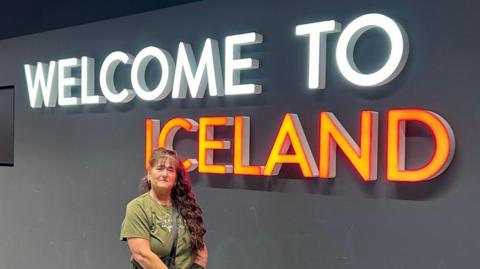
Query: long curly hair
{"type": "Point", "coordinates": [182, 196]}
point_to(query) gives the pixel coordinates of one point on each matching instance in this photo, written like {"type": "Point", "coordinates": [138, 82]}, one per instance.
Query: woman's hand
{"type": "Point", "coordinates": [142, 254]}
{"type": "Point", "coordinates": [201, 257]}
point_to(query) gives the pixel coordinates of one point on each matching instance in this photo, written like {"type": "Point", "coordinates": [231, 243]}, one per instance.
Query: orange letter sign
{"type": "Point", "coordinates": [152, 128]}
{"type": "Point", "coordinates": [291, 133]}
{"type": "Point", "coordinates": [241, 149]}
{"type": "Point", "coordinates": [206, 145]}
{"type": "Point", "coordinates": [165, 139]}
{"type": "Point", "coordinates": [363, 158]}
{"type": "Point", "coordinates": [444, 145]}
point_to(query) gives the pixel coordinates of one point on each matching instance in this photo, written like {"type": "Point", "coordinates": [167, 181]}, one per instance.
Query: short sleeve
{"type": "Point", "coordinates": [135, 223]}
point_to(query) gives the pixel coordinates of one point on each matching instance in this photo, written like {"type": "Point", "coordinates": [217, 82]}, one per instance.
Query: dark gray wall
{"type": "Point", "coordinates": [62, 203]}
{"type": "Point", "coordinates": [28, 16]}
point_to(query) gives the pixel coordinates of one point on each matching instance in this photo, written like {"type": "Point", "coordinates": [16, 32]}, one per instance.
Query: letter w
{"type": "Point", "coordinates": [41, 84]}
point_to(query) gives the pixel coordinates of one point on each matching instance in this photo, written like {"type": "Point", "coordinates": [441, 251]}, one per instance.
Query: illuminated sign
{"type": "Point", "coordinates": [48, 82]}
{"type": "Point", "coordinates": [333, 137]}
{"type": "Point", "coordinates": [52, 83]}
{"type": "Point", "coordinates": [444, 145]}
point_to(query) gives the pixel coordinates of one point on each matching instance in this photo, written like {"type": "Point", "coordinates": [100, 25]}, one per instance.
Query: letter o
{"type": "Point", "coordinates": [139, 67]}
{"type": "Point", "coordinates": [396, 60]}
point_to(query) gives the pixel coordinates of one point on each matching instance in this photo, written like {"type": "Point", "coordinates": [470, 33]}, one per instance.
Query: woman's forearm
{"type": "Point", "coordinates": [149, 260]}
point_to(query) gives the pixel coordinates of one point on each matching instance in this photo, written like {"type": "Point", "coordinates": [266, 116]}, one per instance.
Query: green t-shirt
{"type": "Point", "coordinates": [146, 218]}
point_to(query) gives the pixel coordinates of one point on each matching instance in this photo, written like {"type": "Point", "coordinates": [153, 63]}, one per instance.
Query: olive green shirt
{"type": "Point", "coordinates": [146, 218]}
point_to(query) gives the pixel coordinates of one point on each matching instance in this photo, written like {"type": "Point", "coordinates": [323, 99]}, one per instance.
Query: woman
{"type": "Point", "coordinates": [148, 224]}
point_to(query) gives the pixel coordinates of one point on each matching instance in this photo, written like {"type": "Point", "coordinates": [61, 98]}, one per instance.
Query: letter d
{"type": "Point", "coordinates": [444, 145]}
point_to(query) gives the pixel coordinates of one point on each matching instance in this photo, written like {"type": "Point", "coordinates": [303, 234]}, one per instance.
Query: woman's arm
{"type": "Point", "coordinates": [201, 258]}
{"type": "Point", "coordinates": [142, 254]}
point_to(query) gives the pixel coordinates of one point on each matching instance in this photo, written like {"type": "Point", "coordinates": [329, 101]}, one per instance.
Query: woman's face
{"type": "Point", "coordinates": [163, 175]}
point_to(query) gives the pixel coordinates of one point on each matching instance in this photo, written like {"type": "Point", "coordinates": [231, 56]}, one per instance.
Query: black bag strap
{"type": "Point", "coordinates": [173, 252]}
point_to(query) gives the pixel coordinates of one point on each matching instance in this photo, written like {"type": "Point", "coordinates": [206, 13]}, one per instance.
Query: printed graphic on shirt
{"type": "Point", "coordinates": [164, 221]}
